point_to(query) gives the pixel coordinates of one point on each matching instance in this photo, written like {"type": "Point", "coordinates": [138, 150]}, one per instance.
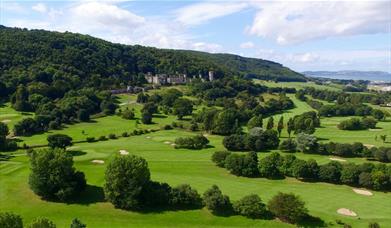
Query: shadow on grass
{"type": "Point", "coordinates": [5, 157]}
{"type": "Point", "coordinates": [75, 153]}
{"type": "Point", "coordinates": [161, 116]}
{"type": "Point", "coordinates": [311, 221]}
{"type": "Point", "coordinates": [92, 194]}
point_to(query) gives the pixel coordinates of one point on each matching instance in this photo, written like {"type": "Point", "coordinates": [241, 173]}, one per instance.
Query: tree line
{"type": "Point", "coordinates": [275, 166]}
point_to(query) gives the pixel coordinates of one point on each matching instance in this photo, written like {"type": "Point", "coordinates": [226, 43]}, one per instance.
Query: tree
{"type": "Point", "coordinates": [219, 157]}
{"type": "Point", "coordinates": [288, 145]}
{"type": "Point", "coordinates": [10, 220]}
{"type": "Point", "coordinates": [59, 141]}
{"type": "Point", "coordinates": [378, 114]}
{"type": "Point", "coordinates": [20, 98]}
{"type": "Point", "coordinates": [350, 174]}
{"type": "Point", "coordinates": [53, 176]}
{"type": "Point", "coordinates": [76, 223]}
{"type": "Point", "coordinates": [235, 142]}
{"type": "Point", "coordinates": [125, 178]}
{"type": "Point", "coordinates": [256, 121]}
{"type": "Point", "coordinates": [170, 96]}
{"type": "Point", "coordinates": [251, 206]}
{"type": "Point", "coordinates": [269, 166]}
{"type": "Point", "coordinates": [182, 107]}
{"type": "Point", "coordinates": [142, 98]}
{"type": "Point", "coordinates": [300, 169]}
{"type": "Point", "coordinates": [270, 123]}
{"type": "Point", "coordinates": [290, 126]}
{"type": "Point", "coordinates": [150, 108]}
{"type": "Point", "coordinates": [280, 125]}
{"type": "Point", "coordinates": [306, 143]}
{"type": "Point", "coordinates": [288, 207]}
{"type": "Point", "coordinates": [365, 180]}
{"type": "Point", "coordinates": [3, 135]}
{"type": "Point", "coordinates": [83, 115]}
{"type": "Point", "coordinates": [146, 118]}
{"type": "Point", "coordinates": [128, 114]}
{"type": "Point", "coordinates": [216, 202]}
{"type": "Point", "coordinates": [225, 122]}
{"type": "Point", "coordinates": [183, 196]}
{"type": "Point", "coordinates": [330, 172]}
{"type": "Point", "coordinates": [42, 223]}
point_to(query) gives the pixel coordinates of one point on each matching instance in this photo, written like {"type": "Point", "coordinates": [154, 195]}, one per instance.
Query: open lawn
{"type": "Point", "coordinates": [9, 116]}
{"type": "Point", "coordinates": [174, 167]}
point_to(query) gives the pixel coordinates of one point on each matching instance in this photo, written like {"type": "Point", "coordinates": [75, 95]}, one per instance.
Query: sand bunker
{"type": "Point", "coordinates": [369, 145]}
{"type": "Point", "coordinates": [6, 121]}
{"type": "Point", "coordinates": [347, 212]}
{"type": "Point", "coordinates": [375, 129]}
{"type": "Point", "coordinates": [148, 137]}
{"type": "Point", "coordinates": [205, 135]}
{"type": "Point", "coordinates": [173, 144]}
{"type": "Point", "coordinates": [362, 192]}
{"type": "Point", "coordinates": [98, 161]}
{"type": "Point", "coordinates": [123, 152]}
{"type": "Point", "coordinates": [167, 142]}
{"type": "Point", "coordinates": [338, 159]}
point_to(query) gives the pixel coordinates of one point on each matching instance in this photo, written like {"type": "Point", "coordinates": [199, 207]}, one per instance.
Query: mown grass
{"type": "Point", "coordinates": [299, 85]}
{"type": "Point", "coordinates": [176, 166]}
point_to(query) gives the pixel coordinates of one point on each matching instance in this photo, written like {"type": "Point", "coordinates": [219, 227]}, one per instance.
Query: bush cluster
{"type": "Point", "coordinates": [256, 140]}
{"type": "Point", "coordinates": [358, 124]}
{"type": "Point", "coordinates": [11, 220]}
{"type": "Point", "coordinates": [194, 142]}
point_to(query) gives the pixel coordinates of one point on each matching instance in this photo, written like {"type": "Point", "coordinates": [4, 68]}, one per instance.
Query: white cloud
{"type": "Point", "coordinates": [295, 22]}
{"type": "Point", "coordinates": [247, 45]}
{"type": "Point", "coordinates": [107, 20]}
{"type": "Point", "coordinates": [40, 7]}
{"type": "Point", "coordinates": [13, 7]}
{"type": "Point", "coordinates": [199, 13]}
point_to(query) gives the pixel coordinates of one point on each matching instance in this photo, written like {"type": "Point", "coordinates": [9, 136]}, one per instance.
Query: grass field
{"type": "Point", "coordinates": [174, 167]}
{"type": "Point", "coordinates": [299, 85]}
{"type": "Point", "coordinates": [9, 116]}
{"type": "Point", "coordinates": [177, 166]}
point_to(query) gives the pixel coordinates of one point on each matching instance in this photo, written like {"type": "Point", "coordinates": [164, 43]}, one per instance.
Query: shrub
{"type": "Point", "coordinates": [42, 223]}
{"type": "Point", "coordinates": [53, 175]}
{"type": "Point", "coordinates": [330, 172]}
{"type": "Point", "coordinates": [167, 127]}
{"type": "Point", "coordinates": [250, 206]}
{"type": "Point", "coordinates": [125, 178]}
{"type": "Point", "coordinates": [127, 114]}
{"type": "Point", "coordinates": [76, 223]}
{"type": "Point", "coordinates": [358, 124]}
{"type": "Point", "coordinates": [102, 138]}
{"type": "Point", "coordinates": [90, 139]}
{"type": "Point", "coordinates": [10, 220]}
{"type": "Point", "coordinates": [146, 118]}
{"type": "Point", "coordinates": [59, 140]}
{"type": "Point", "coordinates": [125, 134]}
{"type": "Point", "coordinates": [112, 136]}
{"type": "Point", "coordinates": [216, 202]}
{"type": "Point", "coordinates": [183, 196]}
{"type": "Point", "coordinates": [287, 207]}
{"type": "Point", "coordinates": [219, 157]}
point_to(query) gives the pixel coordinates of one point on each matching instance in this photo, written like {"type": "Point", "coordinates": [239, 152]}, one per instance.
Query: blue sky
{"type": "Point", "coordinates": [303, 35]}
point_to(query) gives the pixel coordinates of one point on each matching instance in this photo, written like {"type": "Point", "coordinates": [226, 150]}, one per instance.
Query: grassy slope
{"type": "Point", "coordinates": [299, 85]}
{"type": "Point", "coordinates": [9, 116]}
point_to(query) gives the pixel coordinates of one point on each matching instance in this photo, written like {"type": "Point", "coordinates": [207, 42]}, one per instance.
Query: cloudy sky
{"type": "Point", "coordinates": [303, 35]}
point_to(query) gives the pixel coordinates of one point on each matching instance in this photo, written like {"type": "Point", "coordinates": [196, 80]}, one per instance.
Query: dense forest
{"type": "Point", "coordinates": [68, 60]}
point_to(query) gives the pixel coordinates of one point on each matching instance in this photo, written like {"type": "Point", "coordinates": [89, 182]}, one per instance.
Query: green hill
{"type": "Point", "coordinates": [81, 60]}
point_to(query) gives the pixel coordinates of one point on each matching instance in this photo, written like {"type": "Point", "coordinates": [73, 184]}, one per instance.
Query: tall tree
{"type": "Point", "coordinates": [280, 125]}
{"type": "Point", "coordinates": [270, 123]}
{"type": "Point", "coordinates": [290, 126]}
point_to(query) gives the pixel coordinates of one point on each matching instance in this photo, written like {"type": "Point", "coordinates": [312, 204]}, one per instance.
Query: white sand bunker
{"type": "Point", "coordinates": [148, 137]}
{"type": "Point", "coordinates": [6, 121]}
{"type": "Point", "coordinates": [205, 135]}
{"type": "Point", "coordinates": [173, 144]}
{"type": "Point", "coordinates": [338, 159]}
{"type": "Point", "coordinates": [98, 161]}
{"type": "Point", "coordinates": [123, 152]}
{"type": "Point", "coordinates": [369, 145]}
{"type": "Point", "coordinates": [167, 142]}
{"type": "Point", "coordinates": [375, 129]}
{"type": "Point", "coordinates": [362, 192]}
{"type": "Point", "coordinates": [347, 212]}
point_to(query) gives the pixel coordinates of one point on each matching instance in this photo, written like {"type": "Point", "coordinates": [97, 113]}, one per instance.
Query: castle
{"type": "Point", "coordinates": [176, 79]}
